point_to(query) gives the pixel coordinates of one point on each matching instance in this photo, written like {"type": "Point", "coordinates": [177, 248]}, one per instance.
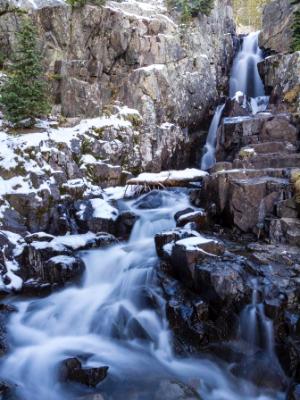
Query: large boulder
{"type": "Point", "coordinates": [71, 369]}
{"type": "Point", "coordinates": [96, 215]}
{"type": "Point", "coordinates": [45, 264]}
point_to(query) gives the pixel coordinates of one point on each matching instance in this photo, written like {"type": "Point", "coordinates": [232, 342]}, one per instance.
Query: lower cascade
{"type": "Point", "coordinates": [115, 317]}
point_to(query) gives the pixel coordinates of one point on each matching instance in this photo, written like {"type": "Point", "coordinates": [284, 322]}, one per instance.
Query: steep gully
{"type": "Point", "coordinates": [116, 315]}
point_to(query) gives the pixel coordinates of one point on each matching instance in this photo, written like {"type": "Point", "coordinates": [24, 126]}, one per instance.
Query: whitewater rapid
{"type": "Point", "coordinates": [114, 317]}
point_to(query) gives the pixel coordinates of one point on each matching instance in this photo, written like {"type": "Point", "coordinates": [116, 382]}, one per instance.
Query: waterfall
{"type": "Point", "coordinates": [208, 159]}
{"type": "Point", "coordinates": [255, 328]}
{"type": "Point", "coordinates": [245, 80]}
{"type": "Point", "coordinates": [244, 74]}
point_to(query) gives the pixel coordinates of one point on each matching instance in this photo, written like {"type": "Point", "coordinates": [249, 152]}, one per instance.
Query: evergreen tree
{"type": "Point", "coordinates": [296, 27]}
{"type": "Point", "coordinates": [24, 94]}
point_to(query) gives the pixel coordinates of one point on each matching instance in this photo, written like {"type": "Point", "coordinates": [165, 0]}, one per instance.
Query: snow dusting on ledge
{"type": "Point", "coordinates": [169, 178]}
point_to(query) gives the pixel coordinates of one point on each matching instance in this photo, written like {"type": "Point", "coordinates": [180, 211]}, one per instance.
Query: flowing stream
{"type": "Point", "coordinates": [114, 317]}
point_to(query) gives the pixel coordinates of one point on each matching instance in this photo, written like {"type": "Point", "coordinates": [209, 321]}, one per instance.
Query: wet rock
{"type": "Point", "coordinates": [273, 130]}
{"type": "Point", "coordinates": [197, 218]}
{"type": "Point", "coordinates": [236, 133]}
{"type": "Point", "coordinates": [61, 269]}
{"type": "Point", "coordinates": [125, 223]}
{"type": "Point", "coordinates": [72, 370]}
{"type": "Point", "coordinates": [170, 237]}
{"type": "Point", "coordinates": [285, 230]}
{"type": "Point", "coordinates": [44, 262]}
{"type": "Point", "coordinates": [287, 209]}
{"type": "Point", "coordinates": [96, 215]}
{"type": "Point", "coordinates": [294, 393]}
{"type": "Point", "coordinates": [151, 200]}
{"type": "Point", "coordinates": [237, 106]}
{"type": "Point", "coordinates": [221, 282]}
{"type": "Point", "coordinates": [261, 372]}
{"type": "Point", "coordinates": [62, 221]}
{"type": "Point", "coordinates": [5, 389]}
{"type": "Point", "coordinates": [5, 311]}
{"type": "Point", "coordinates": [187, 253]}
{"type": "Point", "coordinates": [35, 210]}
{"type": "Point", "coordinates": [173, 390]}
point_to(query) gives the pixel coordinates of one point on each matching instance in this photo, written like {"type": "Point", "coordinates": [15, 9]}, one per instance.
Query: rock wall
{"type": "Point", "coordinates": [281, 74]}
{"type": "Point", "coordinates": [139, 54]}
{"type": "Point", "coordinates": [276, 35]}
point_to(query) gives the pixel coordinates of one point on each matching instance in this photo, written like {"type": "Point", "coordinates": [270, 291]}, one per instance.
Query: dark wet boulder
{"type": "Point", "coordinates": [61, 220]}
{"type": "Point", "coordinates": [61, 269]}
{"type": "Point", "coordinates": [71, 369]}
{"type": "Point", "coordinates": [5, 390]}
{"type": "Point", "coordinates": [175, 390]}
{"type": "Point", "coordinates": [294, 393]}
{"type": "Point", "coordinates": [125, 223]}
{"type": "Point", "coordinates": [221, 281]}
{"type": "Point", "coordinates": [5, 311]}
{"type": "Point", "coordinates": [187, 253]}
{"type": "Point", "coordinates": [151, 200]}
{"type": "Point", "coordinates": [96, 215]}
{"type": "Point", "coordinates": [45, 265]}
{"type": "Point", "coordinates": [170, 237]}
{"type": "Point", "coordinates": [261, 372]}
{"type": "Point", "coordinates": [197, 218]}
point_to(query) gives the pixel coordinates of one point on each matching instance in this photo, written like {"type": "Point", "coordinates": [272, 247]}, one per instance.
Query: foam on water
{"type": "Point", "coordinates": [115, 317]}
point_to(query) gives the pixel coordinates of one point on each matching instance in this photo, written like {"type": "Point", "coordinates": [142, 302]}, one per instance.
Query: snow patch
{"type": "Point", "coordinates": [104, 210]}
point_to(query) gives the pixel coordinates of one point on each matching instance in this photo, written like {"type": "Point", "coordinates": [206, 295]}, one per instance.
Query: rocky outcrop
{"type": "Point", "coordinates": [208, 299]}
{"type": "Point", "coordinates": [250, 186]}
{"type": "Point", "coordinates": [72, 370]}
{"type": "Point", "coordinates": [276, 34]}
{"type": "Point", "coordinates": [138, 54]}
{"type": "Point", "coordinates": [282, 81]}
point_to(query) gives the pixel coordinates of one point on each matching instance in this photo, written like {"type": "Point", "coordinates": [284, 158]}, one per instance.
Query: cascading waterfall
{"type": "Point", "coordinates": [244, 80]}
{"type": "Point", "coordinates": [208, 159]}
{"type": "Point", "coordinates": [244, 74]}
{"type": "Point", "coordinates": [115, 317]}
{"type": "Point", "coordinates": [256, 328]}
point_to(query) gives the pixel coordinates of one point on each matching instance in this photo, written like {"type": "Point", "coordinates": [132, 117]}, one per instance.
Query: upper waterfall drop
{"type": "Point", "coordinates": [244, 74]}
{"type": "Point", "coordinates": [244, 80]}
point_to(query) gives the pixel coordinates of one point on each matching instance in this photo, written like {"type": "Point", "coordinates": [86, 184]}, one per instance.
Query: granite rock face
{"type": "Point", "coordinates": [282, 80]}
{"type": "Point", "coordinates": [138, 54]}
{"type": "Point", "coordinates": [276, 34]}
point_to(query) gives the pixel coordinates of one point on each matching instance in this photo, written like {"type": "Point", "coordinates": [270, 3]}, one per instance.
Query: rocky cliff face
{"type": "Point", "coordinates": [280, 71]}
{"type": "Point", "coordinates": [139, 54]}
{"type": "Point", "coordinates": [276, 34]}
